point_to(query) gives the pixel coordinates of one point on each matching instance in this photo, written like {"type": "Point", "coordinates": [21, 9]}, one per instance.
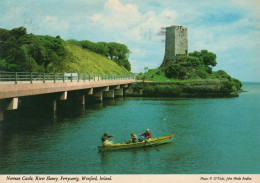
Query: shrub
{"type": "Point", "coordinates": [220, 74]}
{"type": "Point", "coordinates": [172, 71]}
{"type": "Point", "coordinates": [162, 91]}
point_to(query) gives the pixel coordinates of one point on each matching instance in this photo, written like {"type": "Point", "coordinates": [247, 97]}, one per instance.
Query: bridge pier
{"type": "Point", "coordinates": [83, 99]}
{"type": "Point", "coordinates": [54, 105]}
{"type": "Point", "coordinates": [106, 88]}
{"type": "Point", "coordinates": [13, 104]}
{"type": "Point", "coordinates": [125, 85]}
{"type": "Point", "coordinates": [64, 95]}
{"type": "Point", "coordinates": [109, 94]}
{"type": "Point", "coordinates": [98, 95]}
{"type": "Point", "coordinates": [2, 109]}
{"type": "Point", "coordinates": [119, 92]}
{"type": "Point", "coordinates": [7, 105]}
{"type": "Point", "coordinates": [90, 92]}
{"type": "Point", "coordinates": [117, 87]}
{"type": "Point", "coordinates": [1, 115]}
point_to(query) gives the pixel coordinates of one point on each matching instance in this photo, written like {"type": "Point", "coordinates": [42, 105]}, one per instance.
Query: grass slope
{"type": "Point", "coordinates": [158, 75]}
{"type": "Point", "coordinates": [84, 61]}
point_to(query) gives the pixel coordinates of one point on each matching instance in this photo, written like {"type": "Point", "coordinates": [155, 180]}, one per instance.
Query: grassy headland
{"type": "Point", "coordinates": [187, 76]}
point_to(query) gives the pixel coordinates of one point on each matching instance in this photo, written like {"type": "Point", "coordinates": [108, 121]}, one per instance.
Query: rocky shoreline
{"type": "Point", "coordinates": [194, 89]}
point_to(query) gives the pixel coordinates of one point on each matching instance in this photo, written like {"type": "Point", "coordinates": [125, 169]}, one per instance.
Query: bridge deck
{"type": "Point", "coordinates": [26, 89]}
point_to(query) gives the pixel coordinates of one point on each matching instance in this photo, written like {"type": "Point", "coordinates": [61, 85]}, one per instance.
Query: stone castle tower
{"type": "Point", "coordinates": [176, 43]}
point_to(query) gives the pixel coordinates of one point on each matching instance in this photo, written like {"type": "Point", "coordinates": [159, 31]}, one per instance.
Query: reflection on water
{"type": "Point", "coordinates": [211, 136]}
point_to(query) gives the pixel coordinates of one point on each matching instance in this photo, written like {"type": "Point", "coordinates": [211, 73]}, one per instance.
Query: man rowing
{"type": "Point", "coordinates": [146, 134]}
{"type": "Point", "coordinates": [105, 137]}
{"type": "Point", "coordinates": [133, 138]}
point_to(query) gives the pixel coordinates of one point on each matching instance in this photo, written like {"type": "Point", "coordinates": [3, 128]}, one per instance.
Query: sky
{"type": "Point", "coordinates": [228, 28]}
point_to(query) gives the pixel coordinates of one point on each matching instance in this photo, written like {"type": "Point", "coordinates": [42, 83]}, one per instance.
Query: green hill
{"type": "Point", "coordinates": [22, 52]}
{"type": "Point", "coordinates": [85, 61]}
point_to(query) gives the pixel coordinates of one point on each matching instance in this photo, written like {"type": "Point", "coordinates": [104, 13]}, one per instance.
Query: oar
{"type": "Point", "coordinates": [149, 143]}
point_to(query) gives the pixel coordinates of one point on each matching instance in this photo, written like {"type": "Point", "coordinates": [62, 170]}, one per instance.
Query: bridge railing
{"type": "Point", "coordinates": [33, 77]}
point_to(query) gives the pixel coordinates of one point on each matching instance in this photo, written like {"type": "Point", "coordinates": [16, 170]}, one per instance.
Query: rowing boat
{"type": "Point", "coordinates": [153, 141]}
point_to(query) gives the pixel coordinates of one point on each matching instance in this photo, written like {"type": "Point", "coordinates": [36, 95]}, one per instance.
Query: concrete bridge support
{"type": "Point", "coordinates": [87, 96]}
{"type": "Point", "coordinates": [109, 94]}
{"type": "Point", "coordinates": [64, 95]}
{"type": "Point", "coordinates": [13, 104]}
{"type": "Point", "coordinates": [1, 115]}
{"type": "Point", "coordinates": [8, 104]}
{"type": "Point", "coordinates": [125, 86]}
{"type": "Point", "coordinates": [119, 92]}
{"type": "Point", "coordinates": [90, 91]}
{"type": "Point", "coordinates": [54, 106]}
{"type": "Point", "coordinates": [117, 87]}
{"type": "Point", "coordinates": [2, 109]}
{"type": "Point", "coordinates": [83, 99]}
{"type": "Point", "coordinates": [98, 95]}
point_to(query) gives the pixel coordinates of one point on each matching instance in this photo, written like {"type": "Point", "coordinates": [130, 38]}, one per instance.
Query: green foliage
{"type": "Point", "coordinates": [117, 52]}
{"type": "Point", "coordinates": [27, 52]}
{"type": "Point", "coordinates": [226, 87]}
{"type": "Point", "coordinates": [208, 58]}
{"type": "Point", "coordinates": [162, 91]}
{"type": "Point", "coordinates": [136, 88]}
{"type": "Point", "coordinates": [102, 48]}
{"type": "Point", "coordinates": [173, 71]}
{"type": "Point", "coordinates": [237, 83]}
{"type": "Point", "coordinates": [231, 86]}
{"type": "Point", "coordinates": [201, 73]}
{"type": "Point", "coordinates": [196, 65]}
{"type": "Point", "coordinates": [195, 61]}
{"type": "Point", "coordinates": [74, 42]}
{"type": "Point", "coordinates": [20, 51]}
{"type": "Point", "coordinates": [221, 74]}
{"type": "Point", "coordinates": [154, 74]}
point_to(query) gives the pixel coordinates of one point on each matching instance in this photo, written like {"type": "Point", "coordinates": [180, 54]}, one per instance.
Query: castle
{"type": "Point", "coordinates": [176, 43]}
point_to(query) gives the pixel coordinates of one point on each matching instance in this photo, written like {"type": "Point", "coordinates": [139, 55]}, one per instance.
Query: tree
{"type": "Point", "coordinates": [221, 74]}
{"type": "Point", "coordinates": [102, 48]}
{"type": "Point", "coordinates": [18, 32]}
{"type": "Point", "coordinates": [119, 53]}
{"type": "Point", "coordinates": [208, 58]}
{"type": "Point", "coordinates": [20, 51]}
{"type": "Point", "coordinates": [173, 71]}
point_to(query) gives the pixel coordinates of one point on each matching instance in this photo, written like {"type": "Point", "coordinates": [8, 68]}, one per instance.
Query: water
{"type": "Point", "coordinates": [216, 136]}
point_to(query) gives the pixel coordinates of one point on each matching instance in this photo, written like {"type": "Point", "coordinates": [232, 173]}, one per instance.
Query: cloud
{"type": "Point", "coordinates": [127, 20]}
{"type": "Point", "coordinates": [55, 23]}
{"type": "Point", "coordinates": [117, 15]}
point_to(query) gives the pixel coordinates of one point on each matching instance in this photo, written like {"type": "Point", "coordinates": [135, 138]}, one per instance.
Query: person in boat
{"type": "Point", "coordinates": [133, 138]}
{"type": "Point", "coordinates": [146, 134]}
{"type": "Point", "coordinates": [105, 137]}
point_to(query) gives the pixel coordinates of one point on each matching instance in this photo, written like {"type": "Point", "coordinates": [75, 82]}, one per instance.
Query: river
{"type": "Point", "coordinates": [212, 135]}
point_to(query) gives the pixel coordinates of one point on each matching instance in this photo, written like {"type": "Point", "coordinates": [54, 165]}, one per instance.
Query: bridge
{"type": "Point", "coordinates": [16, 85]}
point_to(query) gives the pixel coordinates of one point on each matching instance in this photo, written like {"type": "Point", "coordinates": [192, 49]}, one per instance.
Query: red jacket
{"type": "Point", "coordinates": [146, 134]}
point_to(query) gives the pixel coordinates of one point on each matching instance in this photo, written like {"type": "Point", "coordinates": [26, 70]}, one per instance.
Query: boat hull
{"type": "Point", "coordinates": [153, 141]}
